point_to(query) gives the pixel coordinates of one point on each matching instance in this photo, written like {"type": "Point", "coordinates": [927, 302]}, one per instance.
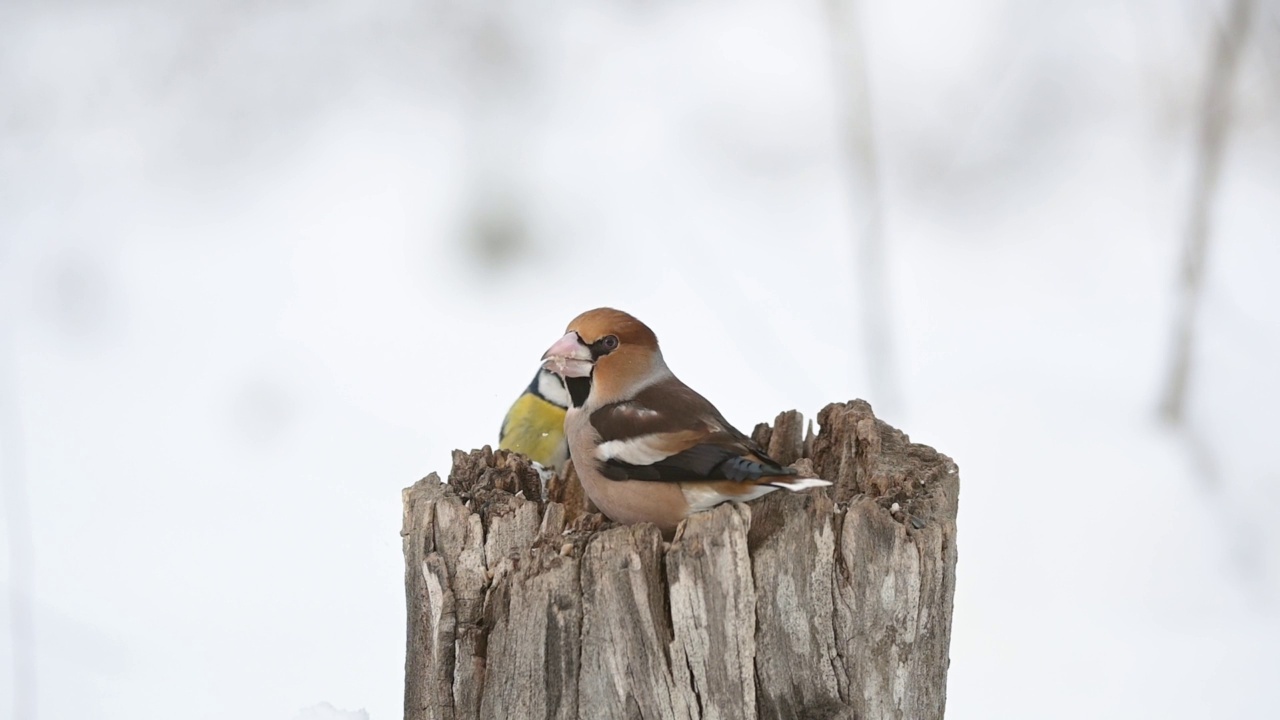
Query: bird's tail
{"type": "Point", "coordinates": [799, 484]}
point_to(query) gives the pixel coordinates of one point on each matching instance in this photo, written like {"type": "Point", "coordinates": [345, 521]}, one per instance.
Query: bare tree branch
{"type": "Point", "coordinates": [1215, 119]}
{"type": "Point", "coordinates": [863, 164]}
{"type": "Point", "coordinates": [18, 528]}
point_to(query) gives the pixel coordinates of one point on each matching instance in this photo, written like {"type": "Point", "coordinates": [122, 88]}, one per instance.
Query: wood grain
{"type": "Point", "coordinates": [831, 603]}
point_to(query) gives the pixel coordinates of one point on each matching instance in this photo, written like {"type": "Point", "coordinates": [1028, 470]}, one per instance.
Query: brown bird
{"type": "Point", "coordinates": [648, 448]}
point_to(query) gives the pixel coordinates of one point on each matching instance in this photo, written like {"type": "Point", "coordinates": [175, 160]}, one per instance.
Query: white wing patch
{"type": "Point", "coordinates": [635, 411]}
{"type": "Point", "coordinates": [633, 451]}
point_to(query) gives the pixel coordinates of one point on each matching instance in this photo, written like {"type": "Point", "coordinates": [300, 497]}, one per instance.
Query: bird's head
{"type": "Point", "coordinates": [614, 352]}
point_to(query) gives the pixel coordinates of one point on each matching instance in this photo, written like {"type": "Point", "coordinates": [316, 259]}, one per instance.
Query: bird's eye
{"type": "Point", "coordinates": [603, 346]}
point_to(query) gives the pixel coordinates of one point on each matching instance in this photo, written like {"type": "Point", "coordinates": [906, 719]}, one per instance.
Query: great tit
{"type": "Point", "coordinates": [535, 423]}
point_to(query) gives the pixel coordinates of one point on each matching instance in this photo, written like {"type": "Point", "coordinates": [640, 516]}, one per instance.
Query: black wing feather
{"type": "Point", "coordinates": [706, 461]}
{"type": "Point", "coordinates": [722, 456]}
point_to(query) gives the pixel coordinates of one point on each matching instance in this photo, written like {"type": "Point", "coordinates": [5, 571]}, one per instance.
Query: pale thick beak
{"type": "Point", "coordinates": [568, 357]}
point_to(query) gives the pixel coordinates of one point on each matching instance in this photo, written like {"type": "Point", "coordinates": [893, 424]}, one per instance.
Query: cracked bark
{"type": "Point", "coordinates": [827, 604]}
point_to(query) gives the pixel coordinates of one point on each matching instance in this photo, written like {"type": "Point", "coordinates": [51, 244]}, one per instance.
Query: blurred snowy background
{"type": "Point", "coordinates": [263, 264]}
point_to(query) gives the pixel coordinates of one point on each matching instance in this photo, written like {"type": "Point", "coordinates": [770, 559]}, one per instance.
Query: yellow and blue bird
{"type": "Point", "coordinates": [535, 423]}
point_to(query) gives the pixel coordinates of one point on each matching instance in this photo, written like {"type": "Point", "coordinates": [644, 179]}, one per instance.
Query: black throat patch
{"type": "Point", "coordinates": [579, 388]}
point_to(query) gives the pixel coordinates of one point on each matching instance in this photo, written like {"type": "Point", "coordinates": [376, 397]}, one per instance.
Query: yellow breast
{"type": "Point", "coordinates": [535, 427]}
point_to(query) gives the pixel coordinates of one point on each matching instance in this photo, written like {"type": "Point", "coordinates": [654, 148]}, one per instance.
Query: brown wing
{"type": "Point", "coordinates": [669, 433]}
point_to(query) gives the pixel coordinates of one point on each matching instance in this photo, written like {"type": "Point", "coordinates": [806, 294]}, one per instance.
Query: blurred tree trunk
{"type": "Point", "coordinates": [1214, 122]}
{"type": "Point", "coordinates": [825, 604]}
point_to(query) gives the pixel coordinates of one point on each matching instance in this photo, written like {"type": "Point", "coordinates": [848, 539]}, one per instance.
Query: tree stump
{"type": "Point", "coordinates": [832, 603]}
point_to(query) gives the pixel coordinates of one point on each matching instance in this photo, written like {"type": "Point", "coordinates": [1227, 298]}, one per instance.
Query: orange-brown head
{"type": "Point", "coordinates": [616, 351]}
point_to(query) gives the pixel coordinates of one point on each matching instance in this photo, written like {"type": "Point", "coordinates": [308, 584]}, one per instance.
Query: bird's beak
{"type": "Point", "coordinates": [568, 357]}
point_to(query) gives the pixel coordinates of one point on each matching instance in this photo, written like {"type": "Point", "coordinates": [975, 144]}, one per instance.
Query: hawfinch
{"type": "Point", "coordinates": [648, 448]}
{"type": "Point", "coordinates": [535, 423]}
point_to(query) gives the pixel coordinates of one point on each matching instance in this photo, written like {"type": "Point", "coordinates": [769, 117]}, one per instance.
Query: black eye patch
{"type": "Point", "coordinates": [603, 346]}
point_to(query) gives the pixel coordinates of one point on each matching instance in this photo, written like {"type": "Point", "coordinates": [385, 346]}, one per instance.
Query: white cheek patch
{"type": "Point", "coordinates": [551, 387]}
{"type": "Point", "coordinates": [633, 451]}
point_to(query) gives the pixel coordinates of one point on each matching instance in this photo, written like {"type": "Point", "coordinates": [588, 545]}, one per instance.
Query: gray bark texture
{"type": "Point", "coordinates": [832, 603]}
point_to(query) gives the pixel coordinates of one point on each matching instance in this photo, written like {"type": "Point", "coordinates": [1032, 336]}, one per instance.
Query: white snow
{"type": "Point", "coordinates": [241, 313]}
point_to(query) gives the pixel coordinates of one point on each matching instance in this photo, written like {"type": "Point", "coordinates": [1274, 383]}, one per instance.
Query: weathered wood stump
{"type": "Point", "coordinates": [833, 603]}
